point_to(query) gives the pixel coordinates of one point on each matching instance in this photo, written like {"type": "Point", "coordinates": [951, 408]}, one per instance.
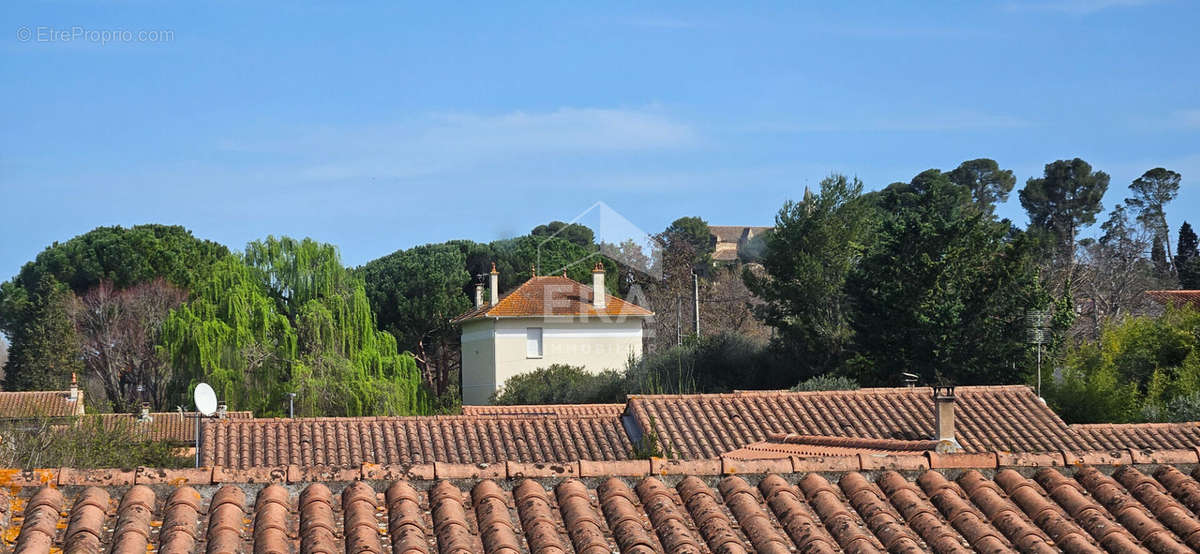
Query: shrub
{"type": "Point", "coordinates": [826, 382]}
{"type": "Point", "coordinates": [719, 363]}
{"type": "Point", "coordinates": [562, 384]}
{"type": "Point", "coordinates": [82, 443]}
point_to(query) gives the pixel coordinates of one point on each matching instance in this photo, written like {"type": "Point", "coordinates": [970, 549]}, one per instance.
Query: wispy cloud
{"type": "Point", "coordinates": [1080, 7]}
{"type": "Point", "coordinates": [1189, 119]}
{"type": "Point", "coordinates": [449, 141]}
{"type": "Point", "coordinates": [949, 120]}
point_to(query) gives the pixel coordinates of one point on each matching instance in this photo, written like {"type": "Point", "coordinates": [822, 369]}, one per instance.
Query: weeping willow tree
{"type": "Point", "coordinates": [287, 317]}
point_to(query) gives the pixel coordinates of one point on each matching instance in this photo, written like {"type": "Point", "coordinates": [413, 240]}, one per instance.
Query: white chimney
{"type": "Point", "coordinates": [494, 284]}
{"type": "Point", "coordinates": [74, 388]}
{"type": "Point", "coordinates": [145, 415]}
{"type": "Point", "coordinates": [222, 409]}
{"type": "Point", "coordinates": [599, 297]}
{"type": "Point", "coordinates": [478, 294]}
{"type": "Point", "coordinates": [943, 420]}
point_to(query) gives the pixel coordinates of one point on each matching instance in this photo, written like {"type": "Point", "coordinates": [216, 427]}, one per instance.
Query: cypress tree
{"type": "Point", "coordinates": [1187, 258]}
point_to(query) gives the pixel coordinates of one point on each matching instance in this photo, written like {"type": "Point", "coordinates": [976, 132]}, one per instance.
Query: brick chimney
{"type": "Point", "coordinates": [599, 297]}
{"type": "Point", "coordinates": [478, 294]}
{"type": "Point", "coordinates": [943, 420]}
{"type": "Point", "coordinates": [494, 284]}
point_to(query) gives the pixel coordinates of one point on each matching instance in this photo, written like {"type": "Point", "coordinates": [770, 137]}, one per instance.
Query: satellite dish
{"type": "Point", "coordinates": [206, 399]}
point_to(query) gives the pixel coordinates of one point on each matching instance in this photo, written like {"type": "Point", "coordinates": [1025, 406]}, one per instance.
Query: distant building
{"type": "Point", "coordinates": [732, 240]}
{"type": "Point", "coordinates": [546, 320]}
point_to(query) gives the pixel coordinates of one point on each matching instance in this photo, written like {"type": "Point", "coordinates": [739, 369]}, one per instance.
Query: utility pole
{"type": "Point", "coordinates": [696, 301]}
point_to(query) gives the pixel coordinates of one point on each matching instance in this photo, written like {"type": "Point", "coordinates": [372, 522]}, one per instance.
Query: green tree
{"type": "Point", "coordinates": [45, 350]}
{"type": "Point", "coordinates": [1064, 200]}
{"type": "Point", "coordinates": [695, 233]}
{"type": "Point", "coordinates": [807, 260]}
{"type": "Point", "coordinates": [562, 384]}
{"type": "Point", "coordinates": [989, 185]}
{"type": "Point", "coordinates": [415, 293]}
{"type": "Point", "coordinates": [942, 291]}
{"type": "Point", "coordinates": [118, 255]}
{"type": "Point", "coordinates": [1187, 258]}
{"type": "Point", "coordinates": [574, 233]}
{"type": "Point", "coordinates": [1151, 193]}
{"type": "Point", "coordinates": [1160, 260]}
{"type": "Point", "coordinates": [288, 317]}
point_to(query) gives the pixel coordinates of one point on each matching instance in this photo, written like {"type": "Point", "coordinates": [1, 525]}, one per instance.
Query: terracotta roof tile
{"type": "Point", "coordinates": [546, 410]}
{"type": "Point", "coordinates": [1155, 436]}
{"type": "Point", "coordinates": [783, 445]}
{"type": "Point", "coordinates": [553, 296]}
{"type": "Point", "coordinates": [993, 418]}
{"type": "Point", "coordinates": [175, 427]}
{"type": "Point", "coordinates": [25, 404]}
{"type": "Point", "coordinates": [1176, 297]}
{"type": "Point", "coordinates": [1074, 510]}
{"type": "Point", "coordinates": [350, 442]}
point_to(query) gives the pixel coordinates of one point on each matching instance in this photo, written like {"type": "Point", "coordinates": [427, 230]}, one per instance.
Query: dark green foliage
{"type": "Point", "coordinates": [989, 185]}
{"type": "Point", "coordinates": [1158, 258]}
{"type": "Point", "coordinates": [573, 233]}
{"type": "Point", "coordinates": [1187, 258]}
{"type": "Point", "coordinates": [414, 294]}
{"type": "Point", "coordinates": [515, 257]}
{"type": "Point", "coordinates": [1151, 193]}
{"type": "Point", "coordinates": [826, 382]}
{"type": "Point", "coordinates": [562, 384]}
{"type": "Point", "coordinates": [45, 349]}
{"type": "Point", "coordinates": [695, 233]}
{"type": "Point", "coordinates": [290, 318]}
{"type": "Point", "coordinates": [1065, 200]}
{"type": "Point", "coordinates": [1182, 408]}
{"type": "Point", "coordinates": [121, 256]}
{"type": "Point", "coordinates": [85, 442]}
{"type": "Point", "coordinates": [808, 257]}
{"type": "Point", "coordinates": [942, 291]}
{"type": "Point", "coordinates": [717, 363]}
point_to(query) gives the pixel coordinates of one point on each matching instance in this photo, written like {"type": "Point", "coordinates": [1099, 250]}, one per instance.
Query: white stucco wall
{"type": "Point", "coordinates": [495, 350]}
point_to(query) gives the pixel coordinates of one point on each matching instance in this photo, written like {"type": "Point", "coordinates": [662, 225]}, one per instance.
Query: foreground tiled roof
{"type": "Point", "coordinates": [176, 427]}
{"type": "Point", "coordinates": [1176, 297]}
{"type": "Point", "coordinates": [26, 404]}
{"type": "Point", "coordinates": [995, 418]}
{"type": "Point", "coordinates": [618, 507]}
{"type": "Point", "coordinates": [553, 296]}
{"type": "Point", "coordinates": [785, 445]}
{"type": "Point", "coordinates": [1155, 436]}
{"type": "Point", "coordinates": [349, 442]}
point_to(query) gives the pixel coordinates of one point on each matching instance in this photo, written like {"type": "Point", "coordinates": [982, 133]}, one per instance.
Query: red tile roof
{"type": "Point", "coordinates": [785, 445]}
{"type": "Point", "coordinates": [556, 410]}
{"type": "Point", "coordinates": [1156, 436]}
{"type": "Point", "coordinates": [169, 426]}
{"type": "Point", "coordinates": [349, 442]}
{"type": "Point", "coordinates": [27, 404]}
{"type": "Point", "coordinates": [988, 509]}
{"type": "Point", "coordinates": [553, 296]}
{"type": "Point", "coordinates": [1176, 297]}
{"type": "Point", "coordinates": [995, 418]}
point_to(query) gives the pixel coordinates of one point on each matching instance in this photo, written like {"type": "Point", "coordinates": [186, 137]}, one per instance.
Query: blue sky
{"type": "Point", "coordinates": [379, 127]}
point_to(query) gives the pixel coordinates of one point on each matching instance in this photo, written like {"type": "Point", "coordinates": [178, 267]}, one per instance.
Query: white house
{"type": "Point", "coordinates": [546, 320]}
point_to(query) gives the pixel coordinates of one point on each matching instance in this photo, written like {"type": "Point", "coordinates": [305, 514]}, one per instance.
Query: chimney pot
{"type": "Point", "coordinates": [599, 297]}
{"type": "Point", "coordinates": [222, 409]}
{"type": "Point", "coordinates": [74, 388]}
{"type": "Point", "coordinates": [145, 415]}
{"type": "Point", "coordinates": [494, 284]}
{"type": "Point", "coordinates": [943, 414]}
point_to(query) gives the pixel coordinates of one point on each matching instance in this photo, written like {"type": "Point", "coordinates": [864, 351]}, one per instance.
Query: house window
{"type": "Point", "coordinates": [533, 342]}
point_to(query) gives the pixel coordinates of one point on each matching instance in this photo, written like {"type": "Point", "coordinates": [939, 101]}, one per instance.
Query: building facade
{"type": "Point", "coordinates": [546, 320]}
